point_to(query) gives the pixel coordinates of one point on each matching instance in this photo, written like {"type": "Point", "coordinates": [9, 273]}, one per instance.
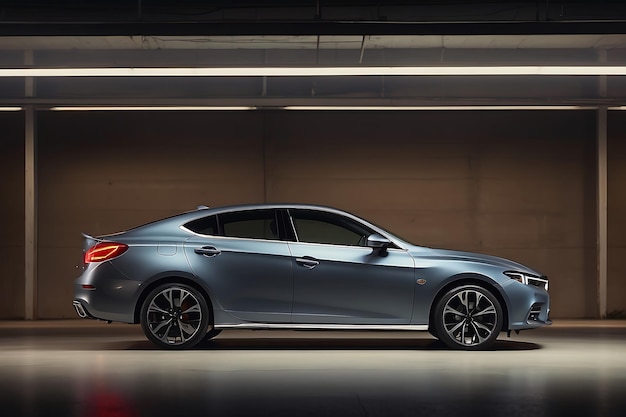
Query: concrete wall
{"type": "Point", "coordinates": [514, 184]}
{"type": "Point", "coordinates": [102, 173]}
{"type": "Point", "coordinates": [12, 215]}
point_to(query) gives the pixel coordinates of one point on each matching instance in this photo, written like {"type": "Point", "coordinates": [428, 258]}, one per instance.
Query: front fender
{"type": "Point", "coordinates": [426, 298]}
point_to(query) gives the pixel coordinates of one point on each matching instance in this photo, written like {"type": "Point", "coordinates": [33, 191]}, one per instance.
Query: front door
{"type": "Point", "coordinates": [338, 280]}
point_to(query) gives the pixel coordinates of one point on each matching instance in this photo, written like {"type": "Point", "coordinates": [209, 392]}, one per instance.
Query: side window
{"type": "Point", "coordinates": [252, 224]}
{"type": "Point", "coordinates": [204, 226]}
{"type": "Point", "coordinates": [328, 228]}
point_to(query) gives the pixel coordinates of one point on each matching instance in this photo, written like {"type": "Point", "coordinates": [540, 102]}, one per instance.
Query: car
{"type": "Point", "coordinates": [301, 267]}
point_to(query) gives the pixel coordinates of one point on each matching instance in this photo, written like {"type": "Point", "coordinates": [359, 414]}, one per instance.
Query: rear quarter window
{"type": "Point", "coordinates": [203, 226]}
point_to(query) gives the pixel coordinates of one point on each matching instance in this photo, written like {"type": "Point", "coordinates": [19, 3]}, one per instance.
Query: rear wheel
{"type": "Point", "coordinates": [175, 316]}
{"type": "Point", "coordinates": [468, 317]}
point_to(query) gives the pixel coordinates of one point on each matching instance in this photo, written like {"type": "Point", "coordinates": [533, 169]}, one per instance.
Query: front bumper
{"type": "Point", "coordinates": [529, 306]}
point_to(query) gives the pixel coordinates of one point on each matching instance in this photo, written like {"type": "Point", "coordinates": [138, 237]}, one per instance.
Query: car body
{"type": "Point", "coordinates": [278, 266]}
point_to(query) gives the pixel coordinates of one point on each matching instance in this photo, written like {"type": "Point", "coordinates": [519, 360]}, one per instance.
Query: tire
{"type": "Point", "coordinates": [468, 317]}
{"type": "Point", "coordinates": [432, 332]}
{"type": "Point", "coordinates": [175, 316]}
{"type": "Point", "coordinates": [211, 333]}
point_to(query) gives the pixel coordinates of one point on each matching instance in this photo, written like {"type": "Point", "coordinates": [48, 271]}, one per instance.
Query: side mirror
{"type": "Point", "coordinates": [377, 241]}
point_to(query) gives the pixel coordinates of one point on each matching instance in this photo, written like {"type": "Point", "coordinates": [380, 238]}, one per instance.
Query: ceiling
{"type": "Point", "coordinates": [70, 34]}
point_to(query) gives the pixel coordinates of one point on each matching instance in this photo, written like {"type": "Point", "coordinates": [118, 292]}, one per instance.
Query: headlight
{"type": "Point", "coordinates": [527, 279]}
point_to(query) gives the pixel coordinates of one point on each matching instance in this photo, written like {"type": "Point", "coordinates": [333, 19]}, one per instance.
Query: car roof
{"type": "Point", "coordinates": [260, 206]}
{"type": "Point", "coordinates": [202, 211]}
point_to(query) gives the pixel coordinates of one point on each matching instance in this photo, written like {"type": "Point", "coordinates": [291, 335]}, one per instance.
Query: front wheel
{"type": "Point", "coordinates": [211, 333]}
{"type": "Point", "coordinates": [468, 317]}
{"type": "Point", "coordinates": [175, 316]}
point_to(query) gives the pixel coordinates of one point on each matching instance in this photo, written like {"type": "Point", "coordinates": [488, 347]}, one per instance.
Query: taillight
{"type": "Point", "coordinates": [104, 251]}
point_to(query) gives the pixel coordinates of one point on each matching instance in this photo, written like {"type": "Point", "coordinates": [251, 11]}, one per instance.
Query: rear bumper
{"type": "Point", "coordinates": [103, 293]}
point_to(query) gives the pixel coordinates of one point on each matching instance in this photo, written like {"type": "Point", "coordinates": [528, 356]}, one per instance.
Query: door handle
{"type": "Point", "coordinates": [208, 251]}
{"type": "Point", "coordinates": [307, 262]}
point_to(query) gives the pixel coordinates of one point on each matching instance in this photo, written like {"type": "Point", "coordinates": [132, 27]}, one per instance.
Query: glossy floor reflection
{"type": "Point", "coordinates": [83, 368]}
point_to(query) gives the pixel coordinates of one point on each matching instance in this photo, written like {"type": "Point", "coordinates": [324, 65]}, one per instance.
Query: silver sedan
{"type": "Point", "coordinates": [187, 277]}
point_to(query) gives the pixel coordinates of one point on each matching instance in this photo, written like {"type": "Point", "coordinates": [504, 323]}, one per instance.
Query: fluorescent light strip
{"type": "Point", "coordinates": [150, 108]}
{"type": "Point", "coordinates": [327, 108]}
{"type": "Point", "coordinates": [312, 71]}
{"type": "Point", "coordinates": [359, 108]}
{"type": "Point", "coordinates": [10, 108]}
{"type": "Point", "coordinates": [617, 108]}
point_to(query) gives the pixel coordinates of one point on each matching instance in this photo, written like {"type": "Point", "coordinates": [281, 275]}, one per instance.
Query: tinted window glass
{"type": "Point", "coordinates": [203, 226]}
{"type": "Point", "coordinates": [320, 227]}
{"type": "Point", "coordinates": [253, 224]}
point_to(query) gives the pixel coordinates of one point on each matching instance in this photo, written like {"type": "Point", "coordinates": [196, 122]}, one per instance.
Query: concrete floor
{"type": "Point", "coordinates": [84, 368]}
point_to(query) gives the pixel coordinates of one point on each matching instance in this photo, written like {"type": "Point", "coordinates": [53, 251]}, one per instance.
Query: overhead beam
{"type": "Point", "coordinates": [308, 28]}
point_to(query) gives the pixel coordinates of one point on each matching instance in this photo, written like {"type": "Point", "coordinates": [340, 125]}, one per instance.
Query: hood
{"type": "Point", "coordinates": [507, 264]}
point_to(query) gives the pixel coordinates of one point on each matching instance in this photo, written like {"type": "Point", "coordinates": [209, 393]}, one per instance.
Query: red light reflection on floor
{"type": "Point", "coordinates": [107, 403]}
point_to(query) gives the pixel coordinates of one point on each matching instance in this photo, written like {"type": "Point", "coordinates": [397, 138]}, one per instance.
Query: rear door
{"type": "Point", "coordinates": [244, 263]}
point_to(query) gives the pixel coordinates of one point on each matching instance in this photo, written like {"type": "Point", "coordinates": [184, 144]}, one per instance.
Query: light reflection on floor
{"type": "Point", "coordinates": [78, 368]}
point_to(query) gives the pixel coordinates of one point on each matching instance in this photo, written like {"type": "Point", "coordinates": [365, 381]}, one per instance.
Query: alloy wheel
{"type": "Point", "coordinates": [175, 316]}
{"type": "Point", "coordinates": [470, 318]}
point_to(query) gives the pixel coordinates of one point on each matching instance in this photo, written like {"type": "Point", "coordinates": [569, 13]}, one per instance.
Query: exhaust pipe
{"type": "Point", "coordinates": [80, 310]}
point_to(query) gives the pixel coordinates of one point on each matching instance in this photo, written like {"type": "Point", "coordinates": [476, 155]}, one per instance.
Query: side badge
{"type": "Point", "coordinates": [421, 281]}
